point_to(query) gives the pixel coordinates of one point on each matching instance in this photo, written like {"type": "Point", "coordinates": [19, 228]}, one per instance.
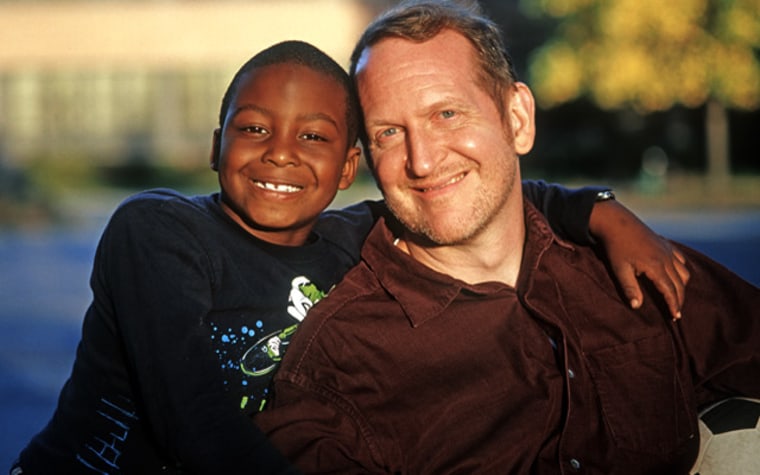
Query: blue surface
{"type": "Point", "coordinates": [44, 292]}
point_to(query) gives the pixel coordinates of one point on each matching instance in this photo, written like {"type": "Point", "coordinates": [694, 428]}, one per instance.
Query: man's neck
{"type": "Point", "coordinates": [493, 255]}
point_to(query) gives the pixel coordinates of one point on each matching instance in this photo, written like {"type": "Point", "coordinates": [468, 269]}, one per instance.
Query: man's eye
{"type": "Point", "coordinates": [388, 132]}
{"type": "Point", "coordinates": [448, 114]}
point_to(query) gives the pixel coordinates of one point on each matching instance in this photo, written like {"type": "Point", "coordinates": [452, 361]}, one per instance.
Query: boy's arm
{"type": "Point", "coordinates": [632, 248]}
{"type": "Point", "coordinates": [161, 291]}
{"type": "Point", "coordinates": [567, 210]}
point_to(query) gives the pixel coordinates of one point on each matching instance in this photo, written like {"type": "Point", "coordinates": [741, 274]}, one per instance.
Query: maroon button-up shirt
{"type": "Point", "coordinates": [402, 369]}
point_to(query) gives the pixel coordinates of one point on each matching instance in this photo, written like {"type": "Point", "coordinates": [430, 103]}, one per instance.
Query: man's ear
{"type": "Point", "coordinates": [216, 145]}
{"type": "Point", "coordinates": [350, 167]}
{"type": "Point", "coordinates": [521, 110]}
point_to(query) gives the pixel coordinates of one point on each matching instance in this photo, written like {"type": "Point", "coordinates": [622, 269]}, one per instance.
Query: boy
{"type": "Point", "coordinates": [184, 285]}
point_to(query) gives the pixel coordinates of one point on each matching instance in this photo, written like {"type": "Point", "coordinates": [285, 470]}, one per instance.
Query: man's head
{"type": "Point", "coordinates": [420, 21]}
{"type": "Point", "coordinates": [285, 144]}
{"type": "Point", "coordinates": [445, 121]}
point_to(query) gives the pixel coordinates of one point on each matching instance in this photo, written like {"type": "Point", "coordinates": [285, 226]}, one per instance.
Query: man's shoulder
{"type": "Point", "coordinates": [346, 305]}
{"type": "Point", "coordinates": [358, 286]}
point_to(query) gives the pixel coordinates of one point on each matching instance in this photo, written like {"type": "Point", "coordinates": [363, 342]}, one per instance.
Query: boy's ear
{"type": "Point", "coordinates": [216, 146]}
{"type": "Point", "coordinates": [350, 167]}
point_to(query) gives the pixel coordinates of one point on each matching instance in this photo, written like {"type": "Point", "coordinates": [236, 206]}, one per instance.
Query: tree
{"type": "Point", "coordinates": [651, 55]}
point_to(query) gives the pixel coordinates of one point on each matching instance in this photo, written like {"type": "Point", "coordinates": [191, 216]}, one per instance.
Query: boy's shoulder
{"type": "Point", "coordinates": [163, 200]}
{"type": "Point", "coordinates": [363, 210]}
{"type": "Point", "coordinates": [156, 197]}
{"type": "Point", "coordinates": [163, 207]}
{"type": "Point", "coordinates": [349, 226]}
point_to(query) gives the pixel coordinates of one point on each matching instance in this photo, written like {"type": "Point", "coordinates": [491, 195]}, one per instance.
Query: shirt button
{"type": "Point", "coordinates": [571, 373]}
{"type": "Point", "coordinates": [575, 464]}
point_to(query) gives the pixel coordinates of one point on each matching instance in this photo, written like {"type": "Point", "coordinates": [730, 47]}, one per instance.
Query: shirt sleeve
{"type": "Point", "coordinates": [567, 210]}
{"type": "Point", "coordinates": [720, 330]}
{"type": "Point", "coordinates": [156, 278]}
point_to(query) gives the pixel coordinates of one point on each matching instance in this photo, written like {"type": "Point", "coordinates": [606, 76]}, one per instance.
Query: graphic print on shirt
{"type": "Point", "coordinates": [101, 454]}
{"type": "Point", "coordinates": [247, 356]}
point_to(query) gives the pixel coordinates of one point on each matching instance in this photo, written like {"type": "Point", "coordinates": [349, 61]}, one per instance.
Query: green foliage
{"type": "Point", "coordinates": [649, 54]}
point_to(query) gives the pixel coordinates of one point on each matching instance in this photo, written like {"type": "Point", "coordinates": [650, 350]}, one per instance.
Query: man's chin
{"type": "Point", "coordinates": [440, 235]}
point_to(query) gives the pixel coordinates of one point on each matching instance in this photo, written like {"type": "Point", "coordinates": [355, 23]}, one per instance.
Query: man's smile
{"type": "Point", "coordinates": [455, 179]}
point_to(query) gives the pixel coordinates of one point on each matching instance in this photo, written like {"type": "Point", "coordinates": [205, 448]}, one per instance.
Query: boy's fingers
{"type": "Point", "coordinates": [680, 265]}
{"type": "Point", "coordinates": [679, 256]}
{"type": "Point", "coordinates": [679, 276]}
{"type": "Point", "coordinates": [678, 283]}
{"type": "Point", "coordinates": [672, 289]}
{"type": "Point", "coordinates": [627, 278]}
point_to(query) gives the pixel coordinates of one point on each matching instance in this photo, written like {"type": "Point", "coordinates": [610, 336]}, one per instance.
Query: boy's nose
{"type": "Point", "coordinates": [281, 153]}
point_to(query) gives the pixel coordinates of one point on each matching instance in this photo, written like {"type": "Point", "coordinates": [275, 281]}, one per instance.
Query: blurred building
{"type": "Point", "coordinates": [127, 80]}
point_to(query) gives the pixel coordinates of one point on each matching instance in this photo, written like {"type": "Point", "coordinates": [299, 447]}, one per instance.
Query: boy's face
{"type": "Point", "coordinates": [283, 152]}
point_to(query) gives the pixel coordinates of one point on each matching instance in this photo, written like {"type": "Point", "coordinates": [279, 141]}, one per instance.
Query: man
{"type": "Point", "coordinates": [470, 339]}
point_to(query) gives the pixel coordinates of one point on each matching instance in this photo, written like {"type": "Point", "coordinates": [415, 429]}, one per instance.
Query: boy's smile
{"type": "Point", "coordinates": [283, 152]}
{"type": "Point", "coordinates": [276, 187]}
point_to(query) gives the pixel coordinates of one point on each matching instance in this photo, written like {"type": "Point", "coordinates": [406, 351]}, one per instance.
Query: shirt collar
{"type": "Point", "coordinates": [432, 292]}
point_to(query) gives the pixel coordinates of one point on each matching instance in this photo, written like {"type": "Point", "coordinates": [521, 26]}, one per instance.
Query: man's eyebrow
{"type": "Point", "coordinates": [378, 123]}
{"type": "Point", "coordinates": [444, 103]}
{"type": "Point", "coordinates": [447, 102]}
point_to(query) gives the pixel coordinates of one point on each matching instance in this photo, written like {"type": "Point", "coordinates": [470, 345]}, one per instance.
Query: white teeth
{"type": "Point", "coordinates": [453, 180]}
{"type": "Point", "coordinates": [278, 188]}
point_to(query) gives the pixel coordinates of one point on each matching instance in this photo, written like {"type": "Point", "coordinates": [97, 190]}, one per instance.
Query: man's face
{"type": "Point", "coordinates": [283, 151]}
{"type": "Point", "coordinates": [444, 157]}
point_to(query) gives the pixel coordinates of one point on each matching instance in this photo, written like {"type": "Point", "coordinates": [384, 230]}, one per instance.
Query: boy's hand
{"type": "Point", "coordinates": [633, 249]}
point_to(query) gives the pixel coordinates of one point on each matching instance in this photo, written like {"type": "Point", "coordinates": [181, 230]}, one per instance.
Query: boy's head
{"type": "Point", "coordinates": [285, 144]}
{"type": "Point", "coordinates": [304, 54]}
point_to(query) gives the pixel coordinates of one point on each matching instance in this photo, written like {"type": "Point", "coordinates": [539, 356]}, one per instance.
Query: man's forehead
{"type": "Point", "coordinates": [456, 46]}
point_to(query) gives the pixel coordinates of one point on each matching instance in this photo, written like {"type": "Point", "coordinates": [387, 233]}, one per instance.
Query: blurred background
{"type": "Point", "coordinates": [100, 99]}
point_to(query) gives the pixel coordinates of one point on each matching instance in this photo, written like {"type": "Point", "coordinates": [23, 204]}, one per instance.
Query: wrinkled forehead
{"type": "Point", "coordinates": [449, 43]}
{"type": "Point", "coordinates": [397, 66]}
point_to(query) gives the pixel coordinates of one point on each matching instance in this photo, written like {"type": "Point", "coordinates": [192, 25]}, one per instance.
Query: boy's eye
{"type": "Point", "coordinates": [254, 129]}
{"type": "Point", "coordinates": [315, 137]}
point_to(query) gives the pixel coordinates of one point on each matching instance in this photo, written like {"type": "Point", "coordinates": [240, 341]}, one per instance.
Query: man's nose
{"type": "Point", "coordinates": [423, 153]}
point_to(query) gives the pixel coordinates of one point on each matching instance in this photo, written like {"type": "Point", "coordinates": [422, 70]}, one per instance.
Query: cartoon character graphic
{"type": "Point", "coordinates": [262, 358]}
{"type": "Point", "coordinates": [303, 296]}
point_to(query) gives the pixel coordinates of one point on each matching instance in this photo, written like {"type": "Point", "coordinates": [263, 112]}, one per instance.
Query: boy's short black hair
{"type": "Point", "coordinates": [304, 54]}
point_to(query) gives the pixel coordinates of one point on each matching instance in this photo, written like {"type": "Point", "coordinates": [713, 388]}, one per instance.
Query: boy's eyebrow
{"type": "Point", "coordinates": [308, 117]}
{"type": "Point", "coordinates": [320, 116]}
{"type": "Point", "coordinates": [251, 107]}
